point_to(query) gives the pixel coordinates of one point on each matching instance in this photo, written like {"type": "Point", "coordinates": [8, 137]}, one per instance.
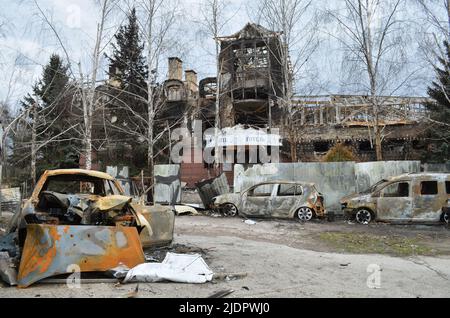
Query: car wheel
{"type": "Point", "coordinates": [364, 216]}
{"type": "Point", "coordinates": [446, 217]}
{"type": "Point", "coordinates": [305, 214]}
{"type": "Point", "coordinates": [229, 209]}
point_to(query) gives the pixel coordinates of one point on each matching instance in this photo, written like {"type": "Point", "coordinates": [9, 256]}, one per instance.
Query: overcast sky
{"type": "Point", "coordinates": [26, 42]}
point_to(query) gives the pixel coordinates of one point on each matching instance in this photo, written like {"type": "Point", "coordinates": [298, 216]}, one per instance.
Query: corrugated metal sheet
{"type": "Point", "coordinates": [168, 184]}
{"type": "Point", "coordinates": [10, 199]}
{"type": "Point", "coordinates": [209, 189]}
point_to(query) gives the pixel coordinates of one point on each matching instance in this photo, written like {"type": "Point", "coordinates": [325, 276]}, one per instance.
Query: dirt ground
{"type": "Point", "coordinates": [289, 259]}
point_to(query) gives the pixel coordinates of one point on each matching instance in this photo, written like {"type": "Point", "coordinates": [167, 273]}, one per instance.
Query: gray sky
{"type": "Point", "coordinates": [26, 43]}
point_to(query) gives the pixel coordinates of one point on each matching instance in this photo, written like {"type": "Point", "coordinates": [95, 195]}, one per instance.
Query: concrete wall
{"type": "Point", "coordinates": [438, 167]}
{"type": "Point", "coordinates": [334, 180]}
{"type": "Point", "coordinates": [369, 173]}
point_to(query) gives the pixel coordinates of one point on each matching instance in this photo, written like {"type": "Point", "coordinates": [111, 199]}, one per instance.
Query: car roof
{"type": "Point", "coordinates": [284, 182]}
{"type": "Point", "coordinates": [88, 173]}
{"type": "Point", "coordinates": [420, 176]}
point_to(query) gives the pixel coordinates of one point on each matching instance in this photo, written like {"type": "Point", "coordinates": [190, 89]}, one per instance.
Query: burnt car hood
{"type": "Point", "coordinates": [54, 250]}
{"type": "Point", "coordinates": [112, 202]}
{"type": "Point", "coordinates": [351, 197]}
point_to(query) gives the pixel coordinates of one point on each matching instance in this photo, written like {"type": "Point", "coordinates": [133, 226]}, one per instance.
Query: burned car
{"type": "Point", "coordinates": [421, 198]}
{"type": "Point", "coordinates": [81, 220]}
{"type": "Point", "coordinates": [278, 199]}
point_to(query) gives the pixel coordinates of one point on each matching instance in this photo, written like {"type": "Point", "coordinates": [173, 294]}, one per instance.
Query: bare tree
{"type": "Point", "coordinates": [156, 19]}
{"type": "Point", "coordinates": [296, 22]}
{"type": "Point", "coordinates": [435, 31]}
{"type": "Point", "coordinates": [87, 81]}
{"type": "Point", "coordinates": [437, 13]}
{"type": "Point", "coordinates": [372, 39]}
{"type": "Point", "coordinates": [213, 23]}
{"type": "Point", "coordinates": [88, 99]}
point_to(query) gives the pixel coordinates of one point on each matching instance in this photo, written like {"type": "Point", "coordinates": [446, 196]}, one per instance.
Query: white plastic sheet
{"type": "Point", "coordinates": [190, 269]}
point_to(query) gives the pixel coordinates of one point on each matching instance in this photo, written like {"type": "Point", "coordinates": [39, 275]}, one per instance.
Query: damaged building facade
{"type": "Point", "coordinates": [252, 89]}
{"type": "Point", "coordinates": [250, 86]}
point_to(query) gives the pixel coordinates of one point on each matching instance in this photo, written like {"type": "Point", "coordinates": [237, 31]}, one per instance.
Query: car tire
{"type": "Point", "coordinates": [446, 217]}
{"type": "Point", "coordinates": [304, 214]}
{"type": "Point", "coordinates": [364, 216]}
{"type": "Point", "coordinates": [229, 209]}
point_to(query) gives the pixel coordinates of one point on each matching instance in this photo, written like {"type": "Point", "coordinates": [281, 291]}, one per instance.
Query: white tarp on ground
{"type": "Point", "coordinates": [177, 268]}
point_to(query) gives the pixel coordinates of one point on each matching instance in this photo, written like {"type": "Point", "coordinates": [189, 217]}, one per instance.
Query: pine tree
{"type": "Point", "coordinates": [128, 68]}
{"type": "Point", "coordinates": [439, 108]}
{"type": "Point", "coordinates": [51, 95]}
{"type": "Point", "coordinates": [128, 73]}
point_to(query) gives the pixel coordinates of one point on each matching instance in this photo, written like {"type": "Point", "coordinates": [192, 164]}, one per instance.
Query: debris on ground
{"type": "Point", "coordinates": [250, 222]}
{"type": "Point", "coordinates": [53, 250]}
{"type": "Point", "coordinates": [62, 281]}
{"type": "Point", "coordinates": [229, 277]}
{"type": "Point", "coordinates": [222, 294]}
{"type": "Point", "coordinates": [178, 268]}
{"type": "Point", "coordinates": [158, 255]}
{"type": "Point", "coordinates": [118, 272]}
{"type": "Point", "coordinates": [8, 244]}
{"type": "Point", "coordinates": [8, 274]}
{"type": "Point", "coordinates": [185, 210]}
{"type": "Point", "coordinates": [133, 294]}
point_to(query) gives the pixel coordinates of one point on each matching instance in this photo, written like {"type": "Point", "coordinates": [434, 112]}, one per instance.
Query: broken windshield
{"type": "Point", "coordinates": [374, 187]}
{"type": "Point", "coordinates": [74, 184]}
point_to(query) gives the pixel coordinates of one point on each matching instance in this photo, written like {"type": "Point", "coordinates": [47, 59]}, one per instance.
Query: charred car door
{"type": "Point", "coordinates": [395, 202]}
{"type": "Point", "coordinates": [257, 201]}
{"type": "Point", "coordinates": [286, 199]}
{"type": "Point", "coordinates": [428, 202]}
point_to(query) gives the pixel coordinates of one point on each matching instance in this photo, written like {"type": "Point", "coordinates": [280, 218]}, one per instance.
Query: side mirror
{"type": "Point", "coordinates": [376, 195]}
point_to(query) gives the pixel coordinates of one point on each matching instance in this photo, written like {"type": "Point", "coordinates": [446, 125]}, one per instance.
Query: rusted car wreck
{"type": "Point", "coordinates": [418, 198]}
{"type": "Point", "coordinates": [278, 199]}
{"type": "Point", "coordinates": [81, 220]}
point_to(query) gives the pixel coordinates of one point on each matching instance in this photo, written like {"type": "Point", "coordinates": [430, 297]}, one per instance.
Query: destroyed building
{"type": "Point", "coordinates": [251, 77]}
{"type": "Point", "coordinates": [326, 120]}
{"type": "Point", "coordinates": [251, 87]}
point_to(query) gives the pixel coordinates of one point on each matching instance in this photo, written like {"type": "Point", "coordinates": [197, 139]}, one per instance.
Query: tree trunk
{"type": "Point", "coordinates": [293, 151]}
{"type": "Point", "coordinates": [378, 139]}
{"type": "Point", "coordinates": [33, 145]}
{"type": "Point", "coordinates": [88, 146]}
{"type": "Point", "coordinates": [150, 154]}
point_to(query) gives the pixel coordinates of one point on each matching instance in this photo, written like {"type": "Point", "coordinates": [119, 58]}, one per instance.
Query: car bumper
{"type": "Point", "coordinates": [349, 212]}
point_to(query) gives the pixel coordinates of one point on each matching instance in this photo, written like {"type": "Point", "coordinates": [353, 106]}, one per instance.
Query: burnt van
{"type": "Point", "coordinates": [412, 198]}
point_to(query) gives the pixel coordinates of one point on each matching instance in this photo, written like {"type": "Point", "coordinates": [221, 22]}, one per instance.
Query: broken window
{"type": "Point", "coordinates": [251, 58]}
{"type": "Point", "coordinates": [289, 190]}
{"type": "Point", "coordinates": [74, 187]}
{"type": "Point", "coordinates": [321, 146]}
{"type": "Point", "coordinates": [111, 188]}
{"type": "Point", "coordinates": [175, 93]}
{"type": "Point", "coordinates": [429, 188]}
{"type": "Point", "coordinates": [264, 190]}
{"type": "Point", "coordinates": [365, 146]}
{"type": "Point", "coordinates": [397, 190]}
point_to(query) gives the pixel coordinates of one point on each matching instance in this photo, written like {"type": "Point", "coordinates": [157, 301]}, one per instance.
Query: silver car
{"type": "Point", "coordinates": [278, 199]}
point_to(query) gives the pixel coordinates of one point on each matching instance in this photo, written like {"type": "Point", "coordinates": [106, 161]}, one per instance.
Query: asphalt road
{"type": "Point", "coordinates": [281, 259]}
